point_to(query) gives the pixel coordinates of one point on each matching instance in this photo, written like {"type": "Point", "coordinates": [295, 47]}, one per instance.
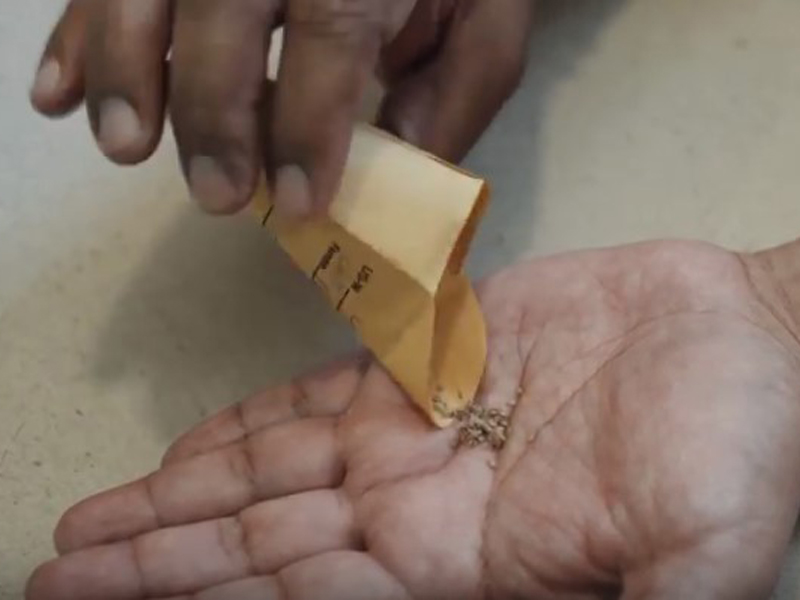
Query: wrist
{"type": "Point", "coordinates": [775, 273]}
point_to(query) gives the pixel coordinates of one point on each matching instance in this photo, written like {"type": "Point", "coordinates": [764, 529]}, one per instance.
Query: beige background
{"type": "Point", "coordinates": [125, 316]}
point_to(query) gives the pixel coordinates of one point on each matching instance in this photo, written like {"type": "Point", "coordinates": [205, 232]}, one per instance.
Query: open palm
{"type": "Point", "coordinates": [654, 452]}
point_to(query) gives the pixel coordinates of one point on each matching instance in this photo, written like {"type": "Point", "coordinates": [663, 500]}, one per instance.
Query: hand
{"type": "Point", "coordinates": [654, 452]}
{"type": "Point", "coordinates": [449, 65]}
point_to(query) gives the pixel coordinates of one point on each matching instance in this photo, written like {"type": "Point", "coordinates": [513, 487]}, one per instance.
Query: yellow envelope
{"type": "Point", "coordinates": [389, 258]}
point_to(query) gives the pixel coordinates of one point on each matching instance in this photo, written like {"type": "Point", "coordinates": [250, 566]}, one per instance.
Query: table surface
{"type": "Point", "coordinates": [126, 316]}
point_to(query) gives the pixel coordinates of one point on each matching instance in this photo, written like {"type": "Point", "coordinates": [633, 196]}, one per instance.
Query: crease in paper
{"type": "Point", "coordinates": [389, 258]}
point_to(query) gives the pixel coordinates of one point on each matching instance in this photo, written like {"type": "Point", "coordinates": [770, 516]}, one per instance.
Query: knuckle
{"type": "Point", "coordinates": [510, 63]}
{"type": "Point", "coordinates": [197, 111]}
{"type": "Point", "coordinates": [198, 9]}
{"type": "Point", "coordinates": [233, 541]}
{"type": "Point", "coordinates": [71, 27]}
{"type": "Point", "coordinates": [341, 20]}
{"type": "Point", "coordinates": [301, 401]}
{"type": "Point", "coordinates": [243, 465]}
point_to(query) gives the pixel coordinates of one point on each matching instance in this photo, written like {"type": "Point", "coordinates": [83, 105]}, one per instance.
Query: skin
{"type": "Point", "coordinates": [653, 454]}
{"type": "Point", "coordinates": [448, 66]}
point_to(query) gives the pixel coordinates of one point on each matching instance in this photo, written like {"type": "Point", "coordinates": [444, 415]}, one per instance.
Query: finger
{"type": "Point", "coordinates": [125, 75]}
{"type": "Point", "coordinates": [330, 51]}
{"type": "Point", "coordinates": [326, 393]}
{"type": "Point", "coordinates": [420, 37]}
{"type": "Point", "coordinates": [341, 575]}
{"type": "Point", "coordinates": [113, 571]}
{"type": "Point", "coordinates": [217, 87]}
{"type": "Point", "coordinates": [286, 459]}
{"type": "Point", "coordinates": [58, 86]}
{"type": "Point", "coordinates": [285, 530]}
{"type": "Point", "coordinates": [337, 575]}
{"type": "Point", "coordinates": [446, 105]}
{"type": "Point", "coordinates": [189, 558]}
{"type": "Point", "coordinates": [197, 556]}
{"type": "Point", "coordinates": [253, 588]}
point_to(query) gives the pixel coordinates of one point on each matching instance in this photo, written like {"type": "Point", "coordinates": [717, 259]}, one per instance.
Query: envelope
{"type": "Point", "coordinates": [389, 257]}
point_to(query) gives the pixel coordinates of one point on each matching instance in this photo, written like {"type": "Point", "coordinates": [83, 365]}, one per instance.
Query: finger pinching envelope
{"type": "Point", "coordinates": [389, 257]}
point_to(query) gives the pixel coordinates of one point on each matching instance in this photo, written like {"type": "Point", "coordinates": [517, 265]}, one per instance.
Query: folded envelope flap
{"type": "Point", "coordinates": [417, 213]}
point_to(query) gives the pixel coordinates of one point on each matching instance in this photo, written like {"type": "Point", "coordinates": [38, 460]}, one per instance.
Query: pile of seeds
{"type": "Point", "coordinates": [478, 425]}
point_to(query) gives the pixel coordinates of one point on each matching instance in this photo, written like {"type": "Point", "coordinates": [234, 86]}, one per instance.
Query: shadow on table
{"type": "Point", "coordinates": [217, 312]}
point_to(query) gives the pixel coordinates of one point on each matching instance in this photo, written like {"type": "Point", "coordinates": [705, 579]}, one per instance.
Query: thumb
{"type": "Point", "coordinates": [446, 105]}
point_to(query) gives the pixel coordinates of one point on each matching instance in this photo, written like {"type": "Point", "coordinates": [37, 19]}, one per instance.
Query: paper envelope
{"type": "Point", "coordinates": [389, 257]}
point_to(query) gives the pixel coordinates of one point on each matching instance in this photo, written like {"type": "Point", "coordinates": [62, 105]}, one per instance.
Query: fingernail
{"type": "Point", "coordinates": [210, 185]}
{"type": "Point", "coordinates": [47, 79]}
{"type": "Point", "coordinates": [120, 127]}
{"type": "Point", "coordinates": [293, 192]}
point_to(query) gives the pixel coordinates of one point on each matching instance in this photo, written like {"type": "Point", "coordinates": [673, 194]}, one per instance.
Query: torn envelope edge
{"type": "Point", "coordinates": [389, 258]}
